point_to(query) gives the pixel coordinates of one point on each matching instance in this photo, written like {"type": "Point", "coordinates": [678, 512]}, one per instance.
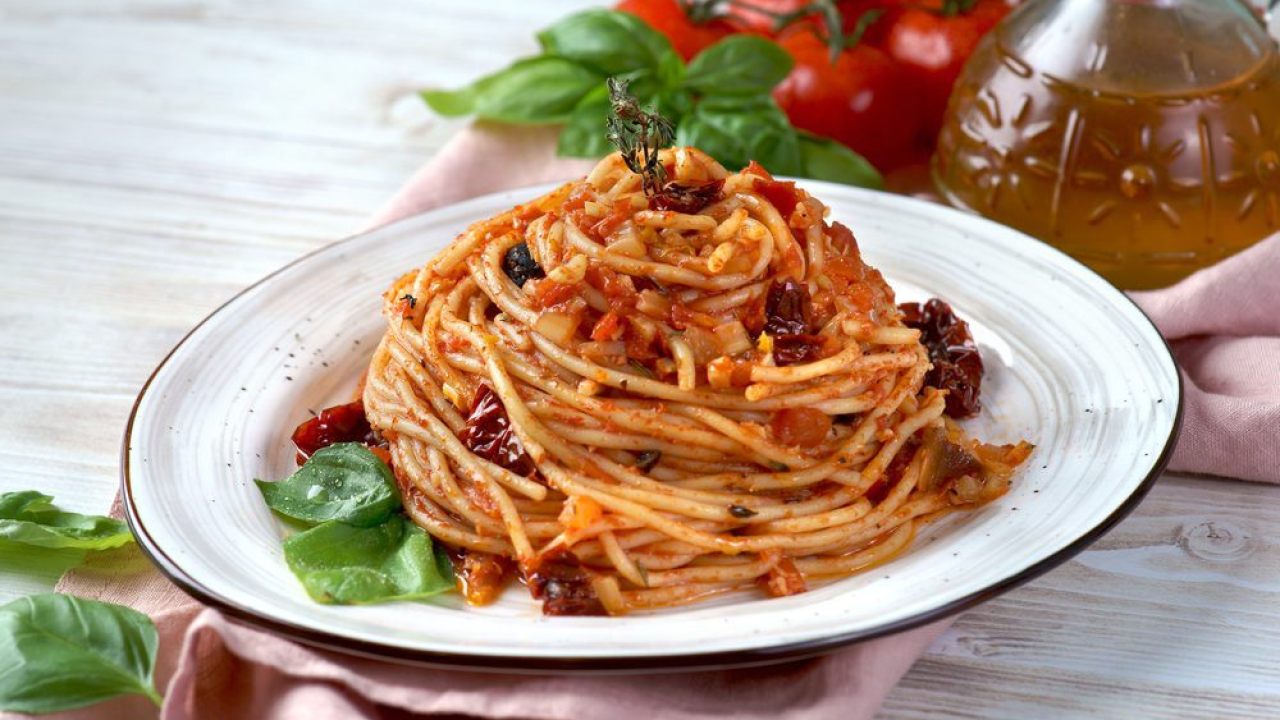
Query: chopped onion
{"type": "Point", "coordinates": [557, 327]}
{"type": "Point", "coordinates": [702, 343]}
{"type": "Point", "coordinates": [571, 272]}
{"type": "Point", "coordinates": [653, 303]}
{"type": "Point", "coordinates": [628, 244]}
{"type": "Point", "coordinates": [720, 373]}
{"type": "Point", "coordinates": [613, 352]}
{"type": "Point", "coordinates": [733, 337]}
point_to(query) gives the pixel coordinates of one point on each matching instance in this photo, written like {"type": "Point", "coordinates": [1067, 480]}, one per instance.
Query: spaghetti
{"type": "Point", "coordinates": [641, 399]}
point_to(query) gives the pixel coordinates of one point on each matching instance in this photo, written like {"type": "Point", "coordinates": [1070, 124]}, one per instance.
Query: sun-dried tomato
{"type": "Point", "coordinates": [787, 308]}
{"type": "Point", "coordinates": [797, 349]}
{"type": "Point", "coordinates": [340, 423]}
{"type": "Point", "coordinates": [957, 461]}
{"type": "Point", "coordinates": [788, 314]}
{"type": "Point", "coordinates": [481, 575]}
{"type": "Point", "coordinates": [686, 198]}
{"type": "Point", "coordinates": [564, 586]}
{"type": "Point", "coordinates": [957, 366]}
{"type": "Point", "coordinates": [488, 434]}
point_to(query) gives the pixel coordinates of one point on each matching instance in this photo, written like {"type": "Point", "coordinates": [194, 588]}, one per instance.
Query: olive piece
{"type": "Point", "coordinates": [520, 266]}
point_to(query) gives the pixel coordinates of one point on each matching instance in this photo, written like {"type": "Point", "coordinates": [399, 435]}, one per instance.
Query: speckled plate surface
{"type": "Point", "coordinates": [1072, 365]}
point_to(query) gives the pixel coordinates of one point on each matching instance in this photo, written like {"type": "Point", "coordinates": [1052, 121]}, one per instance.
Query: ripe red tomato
{"type": "Point", "coordinates": [756, 16]}
{"type": "Point", "coordinates": [760, 16]}
{"type": "Point", "coordinates": [934, 47]}
{"type": "Point", "coordinates": [668, 18]}
{"type": "Point", "coordinates": [864, 100]}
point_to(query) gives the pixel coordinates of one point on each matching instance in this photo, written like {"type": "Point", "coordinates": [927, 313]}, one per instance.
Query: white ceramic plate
{"type": "Point", "coordinates": [1072, 365]}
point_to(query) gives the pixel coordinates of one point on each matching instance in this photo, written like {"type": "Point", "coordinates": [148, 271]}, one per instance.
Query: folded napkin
{"type": "Point", "coordinates": [1222, 322]}
{"type": "Point", "coordinates": [1224, 326]}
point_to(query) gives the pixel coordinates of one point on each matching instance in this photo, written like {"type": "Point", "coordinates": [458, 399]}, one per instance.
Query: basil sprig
{"type": "Point", "coordinates": [29, 518]}
{"type": "Point", "coordinates": [59, 652]}
{"type": "Point", "coordinates": [345, 564]}
{"type": "Point", "coordinates": [358, 547]}
{"type": "Point", "coordinates": [343, 482]}
{"type": "Point", "coordinates": [720, 102]}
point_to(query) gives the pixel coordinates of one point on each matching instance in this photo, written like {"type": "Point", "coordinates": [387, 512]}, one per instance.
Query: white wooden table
{"type": "Point", "coordinates": [158, 155]}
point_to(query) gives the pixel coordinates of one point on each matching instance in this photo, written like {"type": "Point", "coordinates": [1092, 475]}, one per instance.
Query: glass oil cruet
{"type": "Point", "coordinates": [1140, 136]}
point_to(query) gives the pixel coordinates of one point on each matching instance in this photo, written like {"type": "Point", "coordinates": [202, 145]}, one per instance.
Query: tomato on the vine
{"type": "Point", "coordinates": [934, 45]}
{"type": "Point", "coordinates": [764, 16]}
{"type": "Point", "coordinates": [759, 16]}
{"type": "Point", "coordinates": [864, 100]}
{"type": "Point", "coordinates": [669, 18]}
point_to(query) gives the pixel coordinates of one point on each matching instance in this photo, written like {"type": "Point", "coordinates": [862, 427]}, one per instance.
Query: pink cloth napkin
{"type": "Point", "coordinates": [1224, 326]}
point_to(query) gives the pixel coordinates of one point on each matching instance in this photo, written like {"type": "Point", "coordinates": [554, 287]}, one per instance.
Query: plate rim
{"type": "Point", "coordinates": [748, 657]}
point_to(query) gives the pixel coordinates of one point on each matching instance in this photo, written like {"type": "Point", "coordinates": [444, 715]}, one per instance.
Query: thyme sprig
{"type": "Point", "coordinates": [639, 135]}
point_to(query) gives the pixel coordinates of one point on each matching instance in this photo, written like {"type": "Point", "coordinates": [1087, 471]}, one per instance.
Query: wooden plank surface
{"type": "Point", "coordinates": [156, 156]}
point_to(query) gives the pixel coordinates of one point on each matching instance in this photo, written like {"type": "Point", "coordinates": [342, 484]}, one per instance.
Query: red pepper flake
{"type": "Point", "coordinates": [488, 434]}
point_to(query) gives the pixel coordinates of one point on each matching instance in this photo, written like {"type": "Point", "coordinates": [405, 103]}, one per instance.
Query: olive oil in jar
{"type": "Point", "coordinates": [1140, 136]}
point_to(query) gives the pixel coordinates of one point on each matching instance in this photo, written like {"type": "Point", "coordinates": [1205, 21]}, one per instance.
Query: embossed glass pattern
{"type": "Point", "coordinates": [1140, 136]}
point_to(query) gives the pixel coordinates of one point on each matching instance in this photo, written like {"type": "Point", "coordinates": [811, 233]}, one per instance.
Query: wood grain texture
{"type": "Point", "coordinates": [158, 155]}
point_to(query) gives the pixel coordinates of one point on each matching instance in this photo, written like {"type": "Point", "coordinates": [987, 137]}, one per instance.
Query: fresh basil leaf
{"type": "Point", "coordinates": [29, 517]}
{"type": "Point", "coordinates": [540, 90]}
{"type": "Point", "coordinates": [671, 70]}
{"type": "Point", "coordinates": [584, 135]}
{"type": "Point", "coordinates": [342, 564]}
{"type": "Point", "coordinates": [826, 159]}
{"type": "Point", "coordinates": [59, 652]}
{"type": "Point", "coordinates": [673, 104]}
{"type": "Point", "coordinates": [606, 41]}
{"type": "Point", "coordinates": [455, 103]}
{"type": "Point", "coordinates": [738, 65]}
{"type": "Point", "coordinates": [736, 131]}
{"type": "Point", "coordinates": [343, 482]}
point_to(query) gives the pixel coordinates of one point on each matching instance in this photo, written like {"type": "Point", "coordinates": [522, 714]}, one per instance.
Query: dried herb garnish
{"type": "Point", "coordinates": [639, 135]}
